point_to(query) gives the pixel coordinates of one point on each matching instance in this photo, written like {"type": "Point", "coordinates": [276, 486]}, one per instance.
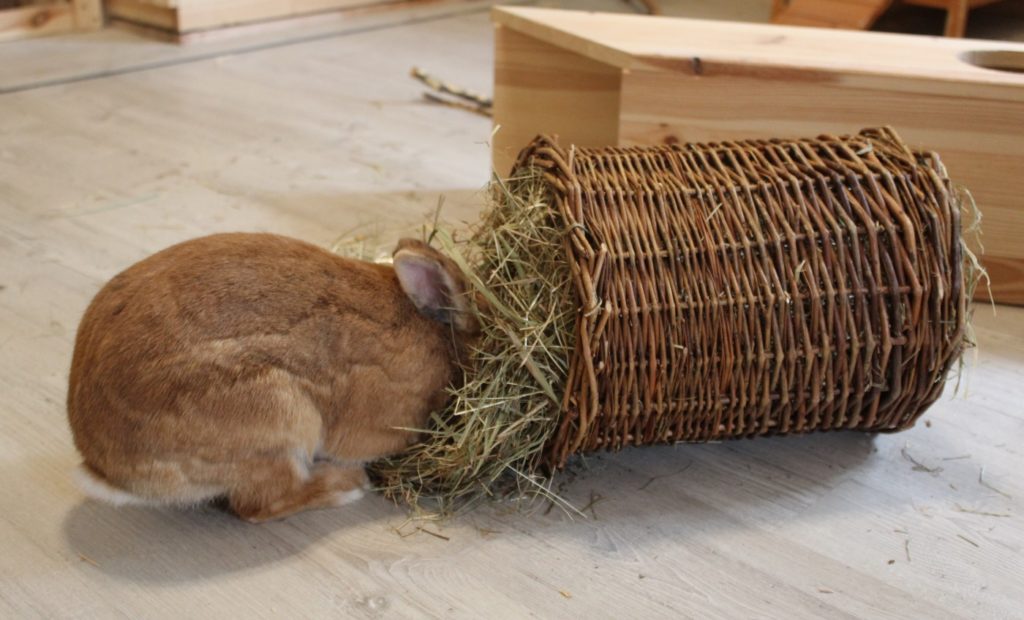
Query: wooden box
{"type": "Point", "coordinates": [602, 79]}
{"type": "Point", "coordinates": [39, 18]}
{"type": "Point", "coordinates": [182, 17]}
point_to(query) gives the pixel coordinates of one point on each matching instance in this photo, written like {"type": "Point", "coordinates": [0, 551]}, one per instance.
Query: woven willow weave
{"type": "Point", "coordinates": [753, 288]}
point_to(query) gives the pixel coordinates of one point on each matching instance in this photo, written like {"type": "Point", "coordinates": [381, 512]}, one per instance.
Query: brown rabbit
{"type": "Point", "coordinates": [261, 369]}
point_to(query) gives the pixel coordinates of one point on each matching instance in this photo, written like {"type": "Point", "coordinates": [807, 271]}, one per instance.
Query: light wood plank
{"type": "Point", "coordinates": [540, 88]}
{"type": "Point", "coordinates": [195, 15]}
{"type": "Point", "coordinates": [88, 14]}
{"type": "Point", "coordinates": [627, 41]}
{"type": "Point", "coordinates": [199, 15]}
{"type": "Point", "coordinates": [36, 21]}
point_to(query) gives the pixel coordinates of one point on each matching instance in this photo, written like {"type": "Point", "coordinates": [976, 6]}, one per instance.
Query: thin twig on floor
{"type": "Point", "coordinates": [450, 89]}
{"type": "Point", "coordinates": [88, 560]}
{"type": "Point", "coordinates": [416, 528]}
{"type": "Point", "coordinates": [594, 499]}
{"type": "Point", "coordinates": [959, 508]}
{"type": "Point", "coordinates": [434, 534]}
{"type": "Point", "coordinates": [981, 481]}
{"type": "Point", "coordinates": [918, 465]}
{"type": "Point", "coordinates": [398, 530]}
{"type": "Point", "coordinates": [675, 473]}
{"type": "Point", "coordinates": [454, 103]}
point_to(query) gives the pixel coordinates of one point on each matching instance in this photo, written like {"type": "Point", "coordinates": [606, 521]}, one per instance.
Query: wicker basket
{"type": "Point", "coordinates": [754, 288]}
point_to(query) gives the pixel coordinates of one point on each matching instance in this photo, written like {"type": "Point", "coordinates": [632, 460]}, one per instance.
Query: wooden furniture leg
{"type": "Point", "coordinates": [956, 18]}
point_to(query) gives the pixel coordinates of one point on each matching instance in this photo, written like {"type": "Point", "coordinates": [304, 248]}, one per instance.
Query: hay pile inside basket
{"type": "Point", "coordinates": [489, 439]}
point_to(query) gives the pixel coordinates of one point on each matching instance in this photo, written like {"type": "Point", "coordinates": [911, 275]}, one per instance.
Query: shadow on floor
{"type": "Point", "coordinates": [175, 546]}
{"type": "Point", "coordinates": [700, 492]}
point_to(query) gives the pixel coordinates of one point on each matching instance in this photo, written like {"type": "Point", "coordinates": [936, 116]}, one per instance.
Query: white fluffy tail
{"type": "Point", "coordinates": [98, 488]}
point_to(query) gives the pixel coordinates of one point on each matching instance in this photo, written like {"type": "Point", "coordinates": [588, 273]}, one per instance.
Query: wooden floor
{"type": "Point", "coordinates": [137, 145]}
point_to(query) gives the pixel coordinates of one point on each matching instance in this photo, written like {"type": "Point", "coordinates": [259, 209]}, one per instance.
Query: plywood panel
{"type": "Point", "coordinates": [540, 88]}
{"type": "Point", "coordinates": [626, 40]}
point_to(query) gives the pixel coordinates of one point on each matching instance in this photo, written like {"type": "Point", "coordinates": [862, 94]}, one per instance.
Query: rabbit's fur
{"type": "Point", "coordinates": [261, 369]}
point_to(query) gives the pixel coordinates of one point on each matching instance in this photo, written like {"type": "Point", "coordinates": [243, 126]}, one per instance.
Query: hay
{"type": "Point", "coordinates": [488, 441]}
{"type": "Point", "coordinates": [974, 274]}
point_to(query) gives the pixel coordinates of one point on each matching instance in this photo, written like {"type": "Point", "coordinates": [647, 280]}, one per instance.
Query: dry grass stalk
{"type": "Point", "coordinates": [488, 441]}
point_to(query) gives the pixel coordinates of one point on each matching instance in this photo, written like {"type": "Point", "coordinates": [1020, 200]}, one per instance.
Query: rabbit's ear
{"type": "Point", "coordinates": [434, 284]}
